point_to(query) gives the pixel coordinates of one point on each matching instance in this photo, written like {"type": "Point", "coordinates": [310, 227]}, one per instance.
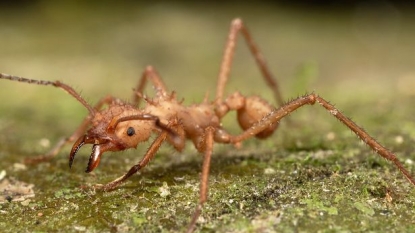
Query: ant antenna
{"type": "Point", "coordinates": [59, 84]}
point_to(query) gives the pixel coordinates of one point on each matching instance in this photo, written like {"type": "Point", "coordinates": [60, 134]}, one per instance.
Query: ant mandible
{"type": "Point", "coordinates": [124, 125]}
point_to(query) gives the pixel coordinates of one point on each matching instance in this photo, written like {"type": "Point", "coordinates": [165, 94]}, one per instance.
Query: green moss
{"type": "Point", "coordinates": [313, 175]}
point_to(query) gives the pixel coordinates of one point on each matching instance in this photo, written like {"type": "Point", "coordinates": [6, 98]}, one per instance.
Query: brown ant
{"type": "Point", "coordinates": [123, 125]}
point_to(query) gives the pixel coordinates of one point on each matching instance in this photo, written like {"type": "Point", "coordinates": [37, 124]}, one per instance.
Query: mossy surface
{"type": "Point", "coordinates": [312, 175]}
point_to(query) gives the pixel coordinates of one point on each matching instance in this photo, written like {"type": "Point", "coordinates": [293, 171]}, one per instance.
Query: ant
{"type": "Point", "coordinates": [124, 125]}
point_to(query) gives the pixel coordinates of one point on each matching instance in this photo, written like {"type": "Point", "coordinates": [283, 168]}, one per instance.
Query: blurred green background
{"type": "Point", "coordinates": [358, 55]}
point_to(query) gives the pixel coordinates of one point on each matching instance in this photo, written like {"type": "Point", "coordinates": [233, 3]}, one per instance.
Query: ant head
{"type": "Point", "coordinates": [117, 128]}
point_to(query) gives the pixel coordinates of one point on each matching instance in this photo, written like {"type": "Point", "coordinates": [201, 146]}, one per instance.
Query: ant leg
{"type": "Point", "coordinates": [238, 26]}
{"type": "Point", "coordinates": [293, 105]}
{"type": "Point", "coordinates": [208, 148]}
{"type": "Point", "coordinates": [149, 74]}
{"type": "Point", "coordinates": [366, 138]}
{"type": "Point", "coordinates": [78, 132]}
{"type": "Point", "coordinates": [134, 169]}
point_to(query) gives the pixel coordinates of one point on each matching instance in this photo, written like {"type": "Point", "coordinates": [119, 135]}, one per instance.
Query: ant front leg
{"type": "Point", "coordinates": [149, 74]}
{"type": "Point", "coordinates": [238, 26]}
{"type": "Point", "coordinates": [168, 131]}
{"type": "Point", "coordinates": [276, 115]}
{"type": "Point", "coordinates": [64, 141]}
{"type": "Point", "coordinates": [151, 152]}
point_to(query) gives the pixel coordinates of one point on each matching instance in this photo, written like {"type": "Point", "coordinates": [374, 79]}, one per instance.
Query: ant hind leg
{"type": "Point", "coordinates": [238, 26]}
{"type": "Point", "coordinates": [283, 111]}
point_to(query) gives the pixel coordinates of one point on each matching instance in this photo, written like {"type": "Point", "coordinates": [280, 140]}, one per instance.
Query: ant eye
{"type": "Point", "coordinates": [130, 131]}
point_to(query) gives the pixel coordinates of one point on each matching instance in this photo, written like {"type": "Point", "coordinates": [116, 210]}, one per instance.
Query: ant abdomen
{"type": "Point", "coordinates": [255, 109]}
